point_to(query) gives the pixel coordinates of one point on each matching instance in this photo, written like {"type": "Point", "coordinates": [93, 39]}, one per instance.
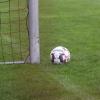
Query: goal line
{"type": "Point", "coordinates": [15, 62]}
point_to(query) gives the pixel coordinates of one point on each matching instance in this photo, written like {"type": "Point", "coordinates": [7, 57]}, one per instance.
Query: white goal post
{"type": "Point", "coordinates": [34, 31]}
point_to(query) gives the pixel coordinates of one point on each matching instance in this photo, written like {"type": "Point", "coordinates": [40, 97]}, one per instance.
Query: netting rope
{"type": "Point", "coordinates": [13, 31]}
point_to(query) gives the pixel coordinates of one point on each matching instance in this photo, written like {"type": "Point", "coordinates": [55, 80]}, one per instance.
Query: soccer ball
{"type": "Point", "coordinates": [60, 55]}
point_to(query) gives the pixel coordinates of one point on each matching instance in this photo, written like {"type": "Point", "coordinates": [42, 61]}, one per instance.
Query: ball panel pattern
{"type": "Point", "coordinates": [60, 55]}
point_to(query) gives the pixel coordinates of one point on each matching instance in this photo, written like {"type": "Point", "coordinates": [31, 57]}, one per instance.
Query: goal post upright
{"type": "Point", "coordinates": [33, 25]}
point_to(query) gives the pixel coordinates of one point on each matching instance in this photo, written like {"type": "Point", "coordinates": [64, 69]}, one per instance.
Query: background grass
{"type": "Point", "coordinates": [75, 25]}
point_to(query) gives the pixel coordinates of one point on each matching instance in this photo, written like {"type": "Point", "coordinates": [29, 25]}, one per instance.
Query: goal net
{"type": "Point", "coordinates": [14, 38]}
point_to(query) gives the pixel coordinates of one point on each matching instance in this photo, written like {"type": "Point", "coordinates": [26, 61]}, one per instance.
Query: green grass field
{"type": "Point", "coordinates": [70, 23]}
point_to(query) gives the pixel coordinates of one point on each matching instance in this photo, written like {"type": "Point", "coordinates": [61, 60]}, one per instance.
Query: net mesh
{"type": "Point", "coordinates": [13, 30]}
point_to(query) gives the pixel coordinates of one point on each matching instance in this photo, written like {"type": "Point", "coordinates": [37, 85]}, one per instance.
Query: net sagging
{"type": "Point", "coordinates": [13, 30]}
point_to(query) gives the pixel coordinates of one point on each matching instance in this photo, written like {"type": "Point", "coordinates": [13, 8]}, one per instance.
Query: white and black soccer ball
{"type": "Point", "coordinates": [60, 55]}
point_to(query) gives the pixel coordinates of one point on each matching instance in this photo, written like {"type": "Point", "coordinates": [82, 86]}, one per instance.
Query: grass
{"type": "Point", "coordinates": [28, 83]}
{"type": "Point", "coordinates": [70, 23]}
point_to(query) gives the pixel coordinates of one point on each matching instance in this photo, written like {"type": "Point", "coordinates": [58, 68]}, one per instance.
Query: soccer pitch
{"type": "Point", "coordinates": [74, 24]}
